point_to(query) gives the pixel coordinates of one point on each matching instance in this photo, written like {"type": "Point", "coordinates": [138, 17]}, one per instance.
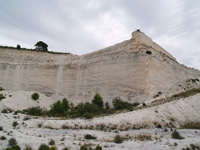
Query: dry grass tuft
{"type": "Point", "coordinates": [143, 137]}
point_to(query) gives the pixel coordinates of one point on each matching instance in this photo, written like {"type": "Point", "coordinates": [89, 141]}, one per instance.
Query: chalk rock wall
{"type": "Point", "coordinates": [124, 70]}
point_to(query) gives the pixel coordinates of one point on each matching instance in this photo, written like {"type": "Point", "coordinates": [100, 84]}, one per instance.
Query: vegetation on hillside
{"type": "Point", "coordinates": [85, 110]}
{"type": "Point", "coordinates": [29, 49]}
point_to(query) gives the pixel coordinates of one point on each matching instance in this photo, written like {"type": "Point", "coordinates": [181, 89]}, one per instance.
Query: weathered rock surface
{"type": "Point", "coordinates": [124, 70]}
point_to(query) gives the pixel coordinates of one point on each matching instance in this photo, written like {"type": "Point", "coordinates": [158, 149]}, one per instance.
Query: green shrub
{"type": "Point", "coordinates": [60, 108]}
{"type": "Point", "coordinates": [16, 147]}
{"type": "Point", "coordinates": [3, 138]}
{"type": "Point", "coordinates": [118, 139]}
{"type": "Point", "coordinates": [88, 115]}
{"type": "Point", "coordinates": [1, 128]}
{"type": "Point", "coordinates": [91, 108]}
{"type": "Point", "coordinates": [98, 147]}
{"type": "Point", "coordinates": [90, 137]}
{"type": "Point", "coordinates": [98, 101]}
{"type": "Point", "coordinates": [51, 142]}
{"type": "Point", "coordinates": [136, 104]}
{"type": "Point", "coordinates": [14, 124]}
{"type": "Point", "coordinates": [1, 96]}
{"type": "Point", "coordinates": [107, 106]}
{"type": "Point", "coordinates": [83, 147]}
{"type": "Point", "coordinates": [53, 148]}
{"type": "Point", "coordinates": [148, 52]}
{"type": "Point", "coordinates": [82, 109]}
{"type": "Point", "coordinates": [27, 147]}
{"type": "Point", "coordinates": [9, 148]}
{"type": "Point", "coordinates": [176, 135]}
{"type": "Point", "coordinates": [12, 142]}
{"type": "Point", "coordinates": [35, 111]}
{"type": "Point", "coordinates": [119, 104]}
{"type": "Point", "coordinates": [65, 148]}
{"type": "Point", "coordinates": [35, 96]}
{"type": "Point", "coordinates": [1, 89]}
{"type": "Point", "coordinates": [43, 147]}
{"type": "Point", "coordinates": [195, 146]}
{"type": "Point", "coordinates": [5, 111]}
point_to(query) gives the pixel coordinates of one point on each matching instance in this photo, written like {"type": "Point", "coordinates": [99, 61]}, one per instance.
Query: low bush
{"type": "Point", "coordinates": [27, 147]}
{"type": "Point", "coordinates": [118, 139]}
{"type": "Point", "coordinates": [98, 147]}
{"type": "Point", "coordinates": [195, 146]}
{"type": "Point", "coordinates": [98, 100]}
{"type": "Point", "coordinates": [53, 148]}
{"type": "Point", "coordinates": [60, 108]}
{"type": "Point", "coordinates": [1, 89]}
{"type": "Point", "coordinates": [12, 142]}
{"type": "Point", "coordinates": [9, 148]}
{"type": "Point", "coordinates": [143, 137]}
{"type": "Point", "coordinates": [65, 148]}
{"type": "Point", "coordinates": [16, 147]}
{"type": "Point", "coordinates": [120, 104]}
{"type": "Point", "coordinates": [88, 115]}
{"type": "Point", "coordinates": [3, 138]}
{"type": "Point", "coordinates": [51, 142]}
{"type": "Point", "coordinates": [35, 96]}
{"type": "Point", "coordinates": [90, 137]}
{"type": "Point", "coordinates": [43, 147]}
{"type": "Point", "coordinates": [83, 147]}
{"type": "Point", "coordinates": [176, 135]}
{"type": "Point", "coordinates": [1, 128]}
{"type": "Point", "coordinates": [2, 97]}
{"type": "Point", "coordinates": [35, 111]}
{"type": "Point", "coordinates": [107, 106]}
{"type": "Point", "coordinates": [26, 118]}
{"type": "Point", "coordinates": [5, 111]}
{"type": "Point", "coordinates": [14, 124]}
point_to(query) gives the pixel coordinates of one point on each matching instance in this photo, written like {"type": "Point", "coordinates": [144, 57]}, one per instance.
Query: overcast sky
{"type": "Point", "coordinates": [83, 26]}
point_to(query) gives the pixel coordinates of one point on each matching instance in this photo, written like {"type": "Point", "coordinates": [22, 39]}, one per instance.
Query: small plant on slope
{"type": "Point", "coordinates": [176, 135]}
{"type": "Point", "coordinates": [90, 137]}
{"type": "Point", "coordinates": [12, 142]}
{"type": "Point", "coordinates": [118, 139]}
{"type": "Point", "coordinates": [35, 96]}
{"type": "Point", "coordinates": [43, 147]}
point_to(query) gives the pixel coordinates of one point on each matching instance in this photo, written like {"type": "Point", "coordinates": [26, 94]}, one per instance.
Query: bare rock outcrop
{"type": "Point", "coordinates": [135, 70]}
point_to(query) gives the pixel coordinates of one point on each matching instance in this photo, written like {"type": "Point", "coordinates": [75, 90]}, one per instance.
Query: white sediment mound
{"type": "Point", "coordinates": [175, 113]}
{"type": "Point", "coordinates": [22, 100]}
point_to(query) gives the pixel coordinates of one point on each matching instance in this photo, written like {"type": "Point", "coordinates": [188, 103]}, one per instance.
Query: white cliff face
{"type": "Point", "coordinates": [124, 70]}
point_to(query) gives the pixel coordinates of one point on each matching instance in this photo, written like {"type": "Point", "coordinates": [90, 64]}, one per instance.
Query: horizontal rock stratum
{"type": "Point", "coordinates": [135, 70]}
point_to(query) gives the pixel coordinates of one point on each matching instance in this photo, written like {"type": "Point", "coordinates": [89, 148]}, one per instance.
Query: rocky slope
{"type": "Point", "coordinates": [135, 70]}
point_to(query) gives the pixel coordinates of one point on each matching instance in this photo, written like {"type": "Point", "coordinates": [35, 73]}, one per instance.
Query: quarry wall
{"type": "Point", "coordinates": [123, 70]}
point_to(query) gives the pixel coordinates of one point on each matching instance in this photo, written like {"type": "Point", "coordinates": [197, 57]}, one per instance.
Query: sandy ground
{"type": "Point", "coordinates": [20, 100]}
{"type": "Point", "coordinates": [37, 131]}
{"type": "Point", "coordinates": [29, 133]}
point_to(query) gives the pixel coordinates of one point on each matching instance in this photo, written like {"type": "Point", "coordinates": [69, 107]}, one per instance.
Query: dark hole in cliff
{"type": "Point", "coordinates": [149, 52]}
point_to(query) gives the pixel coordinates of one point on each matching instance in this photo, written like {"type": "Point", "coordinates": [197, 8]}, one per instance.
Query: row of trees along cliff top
{"type": "Point", "coordinates": [38, 46]}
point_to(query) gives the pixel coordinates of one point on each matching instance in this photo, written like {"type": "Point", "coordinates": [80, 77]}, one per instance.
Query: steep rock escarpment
{"type": "Point", "coordinates": [135, 70]}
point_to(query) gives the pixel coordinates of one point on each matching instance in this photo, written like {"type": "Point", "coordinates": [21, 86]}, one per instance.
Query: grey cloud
{"type": "Point", "coordinates": [83, 26]}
